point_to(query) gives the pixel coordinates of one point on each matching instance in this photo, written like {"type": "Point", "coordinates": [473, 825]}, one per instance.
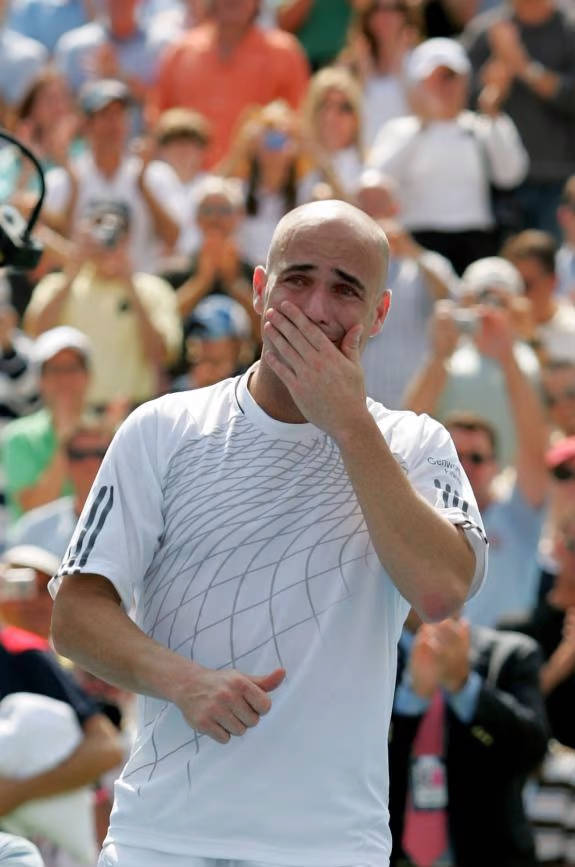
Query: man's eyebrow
{"type": "Point", "coordinates": [349, 278]}
{"type": "Point", "coordinates": [306, 267]}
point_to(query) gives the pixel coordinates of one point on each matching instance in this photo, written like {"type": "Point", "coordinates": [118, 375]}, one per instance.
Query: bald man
{"type": "Point", "coordinates": [272, 532]}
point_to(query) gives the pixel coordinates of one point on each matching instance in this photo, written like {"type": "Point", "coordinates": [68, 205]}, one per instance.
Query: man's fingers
{"type": "Point", "coordinates": [230, 723]}
{"type": "Point", "coordinates": [312, 332]}
{"type": "Point", "coordinates": [245, 713]}
{"type": "Point", "coordinates": [217, 733]}
{"type": "Point", "coordinates": [282, 345]}
{"type": "Point", "coordinates": [293, 333]}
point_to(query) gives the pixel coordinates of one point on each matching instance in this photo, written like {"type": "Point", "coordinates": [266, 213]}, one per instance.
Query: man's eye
{"type": "Point", "coordinates": [297, 280]}
{"type": "Point", "coordinates": [347, 290]}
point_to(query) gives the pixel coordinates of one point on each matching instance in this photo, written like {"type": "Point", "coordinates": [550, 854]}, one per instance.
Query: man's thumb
{"type": "Point", "coordinates": [351, 340]}
{"type": "Point", "coordinates": [269, 682]}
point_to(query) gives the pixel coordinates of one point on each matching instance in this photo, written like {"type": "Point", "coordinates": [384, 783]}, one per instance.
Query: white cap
{"type": "Point", "coordinates": [31, 557]}
{"type": "Point", "coordinates": [432, 53]}
{"type": "Point", "coordinates": [492, 273]}
{"type": "Point", "coordinates": [51, 342]}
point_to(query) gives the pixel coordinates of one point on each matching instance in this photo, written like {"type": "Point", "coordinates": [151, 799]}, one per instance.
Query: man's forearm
{"type": "Point", "coordinates": [423, 392]}
{"type": "Point", "coordinates": [98, 752]}
{"type": "Point", "coordinates": [36, 322]}
{"type": "Point", "coordinates": [426, 557]}
{"type": "Point", "coordinates": [90, 627]}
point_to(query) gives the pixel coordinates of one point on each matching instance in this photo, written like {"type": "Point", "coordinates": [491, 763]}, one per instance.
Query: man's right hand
{"type": "Point", "coordinates": [226, 702]}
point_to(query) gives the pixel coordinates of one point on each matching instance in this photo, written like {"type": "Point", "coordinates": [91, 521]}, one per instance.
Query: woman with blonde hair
{"type": "Point", "coordinates": [332, 122]}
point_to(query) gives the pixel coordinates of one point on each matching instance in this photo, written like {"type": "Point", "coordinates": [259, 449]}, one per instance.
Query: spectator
{"type": "Point", "coordinates": [219, 342]}
{"type": "Point", "coordinates": [534, 255]}
{"type": "Point", "coordinates": [527, 48]}
{"type": "Point", "coordinates": [18, 379]}
{"type": "Point", "coordinates": [275, 166]}
{"type": "Point", "coordinates": [384, 33]}
{"type": "Point", "coordinates": [33, 447]}
{"type": "Point", "coordinates": [416, 277]}
{"type": "Point", "coordinates": [196, 72]}
{"type": "Point", "coordinates": [50, 526]}
{"type": "Point", "coordinates": [444, 159]}
{"type": "Point", "coordinates": [462, 371]}
{"type": "Point", "coordinates": [27, 665]}
{"type": "Point", "coordinates": [217, 268]}
{"type": "Point", "coordinates": [47, 20]}
{"type": "Point", "coordinates": [21, 59]}
{"type": "Point", "coordinates": [332, 118]}
{"type": "Point", "coordinates": [116, 46]}
{"type": "Point", "coordinates": [107, 173]}
{"type": "Point", "coordinates": [47, 123]}
{"type": "Point", "coordinates": [565, 262]}
{"type": "Point", "coordinates": [28, 568]}
{"type": "Point", "coordinates": [129, 317]}
{"type": "Point", "coordinates": [17, 852]}
{"type": "Point", "coordinates": [558, 391]}
{"type": "Point", "coordinates": [320, 26]}
{"type": "Point", "coordinates": [467, 707]}
{"type": "Point", "coordinates": [182, 137]}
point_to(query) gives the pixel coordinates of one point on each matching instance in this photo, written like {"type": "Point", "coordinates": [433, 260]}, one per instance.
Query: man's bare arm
{"type": "Point", "coordinates": [90, 627]}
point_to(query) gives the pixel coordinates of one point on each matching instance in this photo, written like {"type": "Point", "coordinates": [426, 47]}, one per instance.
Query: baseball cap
{"type": "Point", "coordinates": [53, 341]}
{"type": "Point", "coordinates": [493, 272]}
{"type": "Point", "coordinates": [218, 316]}
{"type": "Point", "coordinates": [31, 557]}
{"type": "Point", "coordinates": [96, 95]}
{"type": "Point", "coordinates": [439, 51]}
{"type": "Point", "coordinates": [562, 451]}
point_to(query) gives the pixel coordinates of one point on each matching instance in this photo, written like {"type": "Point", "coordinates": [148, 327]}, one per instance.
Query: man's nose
{"type": "Point", "coordinates": [317, 305]}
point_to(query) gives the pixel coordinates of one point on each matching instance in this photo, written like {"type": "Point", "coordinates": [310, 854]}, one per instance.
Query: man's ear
{"type": "Point", "coordinates": [259, 284]}
{"type": "Point", "coordinates": [381, 311]}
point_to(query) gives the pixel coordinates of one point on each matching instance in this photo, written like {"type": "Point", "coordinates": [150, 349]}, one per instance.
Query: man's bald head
{"type": "Point", "coordinates": [360, 230]}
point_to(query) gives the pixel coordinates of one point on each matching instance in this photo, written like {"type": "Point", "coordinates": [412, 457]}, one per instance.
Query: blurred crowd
{"type": "Point", "coordinates": [174, 134]}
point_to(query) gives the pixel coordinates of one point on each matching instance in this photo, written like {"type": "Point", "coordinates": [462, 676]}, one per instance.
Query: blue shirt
{"type": "Point", "coordinates": [513, 528]}
{"type": "Point", "coordinates": [46, 20]}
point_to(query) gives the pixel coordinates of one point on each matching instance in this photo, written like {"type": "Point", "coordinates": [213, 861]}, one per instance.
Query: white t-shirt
{"type": "Point", "coordinates": [179, 199]}
{"type": "Point", "coordinates": [94, 187]}
{"type": "Point", "coordinates": [558, 334]}
{"type": "Point", "coordinates": [242, 543]}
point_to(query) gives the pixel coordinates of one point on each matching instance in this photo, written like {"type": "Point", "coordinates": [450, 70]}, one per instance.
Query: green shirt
{"type": "Point", "coordinates": [27, 448]}
{"type": "Point", "coordinates": [323, 33]}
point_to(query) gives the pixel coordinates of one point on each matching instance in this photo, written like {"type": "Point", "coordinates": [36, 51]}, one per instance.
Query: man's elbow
{"type": "Point", "coordinates": [446, 601]}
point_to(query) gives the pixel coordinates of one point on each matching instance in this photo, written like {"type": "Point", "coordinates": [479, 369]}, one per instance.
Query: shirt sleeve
{"type": "Point", "coordinates": [121, 524]}
{"type": "Point", "coordinates": [433, 468]}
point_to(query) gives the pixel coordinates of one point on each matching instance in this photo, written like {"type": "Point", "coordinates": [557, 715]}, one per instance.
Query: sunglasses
{"type": "Point", "coordinates": [552, 400]}
{"type": "Point", "coordinates": [341, 107]}
{"type": "Point", "coordinates": [568, 543]}
{"type": "Point", "coordinates": [563, 473]}
{"type": "Point", "coordinates": [85, 454]}
{"type": "Point", "coordinates": [475, 458]}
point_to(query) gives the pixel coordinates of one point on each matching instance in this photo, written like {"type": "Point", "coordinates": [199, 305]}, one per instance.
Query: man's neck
{"type": "Point", "coordinates": [272, 396]}
{"type": "Point", "coordinates": [228, 38]}
{"type": "Point", "coordinates": [107, 161]}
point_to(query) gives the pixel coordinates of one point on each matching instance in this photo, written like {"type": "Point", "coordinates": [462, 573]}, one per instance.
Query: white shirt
{"type": "Point", "coordinates": [557, 335]}
{"type": "Point", "coordinates": [94, 187]}
{"type": "Point", "coordinates": [179, 199]}
{"type": "Point", "coordinates": [384, 98]}
{"type": "Point", "coordinates": [243, 544]}
{"type": "Point", "coordinates": [443, 169]}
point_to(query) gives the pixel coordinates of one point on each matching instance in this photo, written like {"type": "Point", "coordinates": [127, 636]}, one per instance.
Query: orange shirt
{"type": "Point", "coordinates": [266, 65]}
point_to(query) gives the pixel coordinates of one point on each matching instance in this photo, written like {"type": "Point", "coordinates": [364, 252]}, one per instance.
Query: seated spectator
{"type": "Point", "coordinates": [565, 260]}
{"type": "Point", "coordinates": [196, 71]}
{"type": "Point", "coordinates": [332, 119]}
{"type": "Point", "coordinates": [527, 49]}
{"type": "Point", "coordinates": [108, 173]}
{"type": "Point", "coordinates": [217, 268]}
{"type": "Point", "coordinates": [33, 447]}
{"type": "Point", "coordinates": [129, 317]}
{"type": "Point", "coordinates": [25, 571]}
{"type": "Point", "coordinates": [467, 707]}
{"type": "Point", "coordinates": [218, 341]}
{"type": "Point", "coordinates": [445, 159]}
{"type": "Point", "coordinates": [28, 665]}
{"type": "Point", "coordinates": [463, 370]}
{"type": "Point", "coordinates": [275, 166]}
{"type": "Point", "coordinates": [116, 45]}
{"type": "Point", "coordinates": [384, 33]}
{"type": "Point", "coordinates": [47, 123]}
{"type": "Point", "coordinates": [534, 255]}
{"type": "Point", "coordinates": [319, 25]}
{"type": "Point", "coordinates": [47, 20]}
{"type": "Point", "coordinates": [558, 392]}
{"type": "Point", "coordinates": [21, 59]}
{"type": "Point", "coordinates": [18, 376]}
{"type": "Point", "coordinates": [50, 527]}
{"type": "Point", "coordinates": [417, 278]}
{"type": "Point", "coordinates": [182, 137]}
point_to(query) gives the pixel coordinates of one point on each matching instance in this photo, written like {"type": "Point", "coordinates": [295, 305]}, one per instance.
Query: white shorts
{"type": "Point", "coordinates": [131, 856]}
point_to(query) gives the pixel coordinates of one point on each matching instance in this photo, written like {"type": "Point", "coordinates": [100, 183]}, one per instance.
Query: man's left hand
{"type": "Point", "coordinates": [325, 380]}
